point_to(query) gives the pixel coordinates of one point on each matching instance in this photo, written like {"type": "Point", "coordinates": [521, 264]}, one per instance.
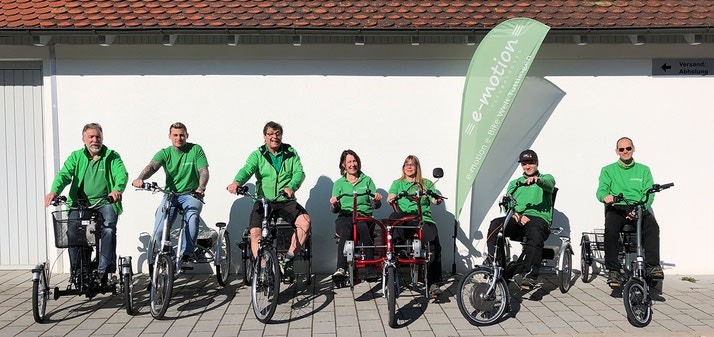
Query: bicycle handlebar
{"type": "Point", "coordinates": [654, 189]}
{"type": "Point", "coordinates": [62, 200]}
{"type": "Point", "coordinates": [243, 190]}
{"type": "Point", "coordinates": [154, 187]}
{"type": "Point", "coordinates": [336, 207]}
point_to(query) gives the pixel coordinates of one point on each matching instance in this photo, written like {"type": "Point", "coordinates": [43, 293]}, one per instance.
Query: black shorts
{"type": "Point", "coordinates": [288, 210]}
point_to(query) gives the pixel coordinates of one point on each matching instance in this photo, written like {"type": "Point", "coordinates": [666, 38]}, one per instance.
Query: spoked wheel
{"type": "Point", "coordinates": [638, 305]}
{"type": "Point", "coordinates": [248, 264]}
{"type": "Point", "coordinates": [223, 265]}
{"type": "Point", "coordinates": [129, 301]}
{"type": "Point", "coordinates": [585, 259]}
{"type": "Point", "coordinates": [390, 292]}
{"type": "Point", "coordinates": [566, 272]}
{"type": "Point", "coordinates": [266, 285]}
{"type": "Point", "coordinates": [40, 295]}
{"type": "Point", "coordinates": [475, 303]}
{"type": "Point", "coordinates": [162, 282]}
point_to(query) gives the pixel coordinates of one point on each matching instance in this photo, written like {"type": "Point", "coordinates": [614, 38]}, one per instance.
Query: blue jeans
{"type": "Point", "coordinates": [107, 243]}
{"type": "Point", "coordinates": [192, 211]}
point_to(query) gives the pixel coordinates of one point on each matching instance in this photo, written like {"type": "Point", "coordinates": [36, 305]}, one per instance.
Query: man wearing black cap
{"type": "Point", "coordinates": [533, 215]}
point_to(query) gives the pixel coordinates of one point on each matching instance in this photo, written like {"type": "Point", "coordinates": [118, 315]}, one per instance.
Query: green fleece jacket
{"type": "Point", "coordinates": [76, 165]}
{"type": "Point", "coordinates": [269, 181]}
{"type": "Point", "coordinates": [631, 180]}
{"type": "Point", "coordinates": [535, 199]}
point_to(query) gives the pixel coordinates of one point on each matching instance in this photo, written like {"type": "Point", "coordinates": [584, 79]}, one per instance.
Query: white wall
{"type": "Point", "coordinates": [384, 102]}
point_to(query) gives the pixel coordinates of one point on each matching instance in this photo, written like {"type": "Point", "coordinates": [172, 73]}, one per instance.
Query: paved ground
{"type": "Point", "coordinates": [202, 308]}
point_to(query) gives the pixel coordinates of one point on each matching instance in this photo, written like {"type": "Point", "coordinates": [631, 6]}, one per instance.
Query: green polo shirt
{"type": "Point", "coordinates": [363, 184]}
{"type": "Point", "coordinates": [95, 184]}
{"type": "Point", "coordinates": [407, 206]}
{"type": "Point", "coordinates": [181, 167]}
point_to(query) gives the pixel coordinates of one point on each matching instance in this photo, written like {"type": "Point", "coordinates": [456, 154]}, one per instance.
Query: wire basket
{"type": "Point", "coordinates": [73, 231]}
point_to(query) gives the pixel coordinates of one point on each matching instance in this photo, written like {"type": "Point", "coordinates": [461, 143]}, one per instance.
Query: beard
{"type": "Point", "coordinates": [94, 149]}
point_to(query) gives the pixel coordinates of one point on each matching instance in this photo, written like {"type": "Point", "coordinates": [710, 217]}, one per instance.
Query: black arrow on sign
{"type": "Point", "coordinates": [665, 67]}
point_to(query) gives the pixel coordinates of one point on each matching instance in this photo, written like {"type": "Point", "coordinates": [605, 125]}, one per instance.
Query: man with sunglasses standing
{"type": "Point", "coordinates": [632, 180]}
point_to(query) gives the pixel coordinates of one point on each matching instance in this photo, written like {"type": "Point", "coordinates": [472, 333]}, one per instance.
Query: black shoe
{"type": "Point", "coordinates": [372, 274]}
{"type": "Point", "coordinates": [186, 263]}
{"type": "Point", "coordinates": [103, 277]}
{"type": "Point", "coordinates": [286, 268]}
{"type": "Point", "coordinates": [529, 281]}
{"type": "Point", "coordinates": [654, 272]}
{"type": "Point", "coordinates": [614, 279]}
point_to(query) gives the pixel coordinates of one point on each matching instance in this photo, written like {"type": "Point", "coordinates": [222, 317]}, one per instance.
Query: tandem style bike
{"type": "Point", "coordinates": [636, 293]}
{"type": "Point", "coordinates": [414, 253]}
{"type": "Point", "coordinates": [164, 262]}
{"type": "Point", "coordinates": [483, 296]}
{"type": "Point", "coordinates": [79, 227]}
{"type": "Point", "coordinates": [264, 273]}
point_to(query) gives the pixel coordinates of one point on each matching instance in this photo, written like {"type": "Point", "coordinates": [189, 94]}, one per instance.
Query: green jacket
{"type": "Point", "coordinates": [76, 165]}
{"type": "Point", "coordinates": [632, 181]}
{"type": "Point", "coordinates": [269, 181]}
{"type": "Point", "coordinates": [536, 199]}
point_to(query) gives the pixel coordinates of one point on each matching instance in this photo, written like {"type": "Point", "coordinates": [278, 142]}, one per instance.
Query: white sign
{"type": "Point", "coordinates": [682, 67]}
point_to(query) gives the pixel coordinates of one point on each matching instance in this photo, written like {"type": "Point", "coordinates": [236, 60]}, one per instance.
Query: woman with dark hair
{"type": "Point", "coordinates": [352, 180]}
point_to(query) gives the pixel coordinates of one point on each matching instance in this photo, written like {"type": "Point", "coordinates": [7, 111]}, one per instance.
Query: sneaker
{"type": "Point", "coordinates": [614, 279]}
{"type": "Point", "coordinates": [372, 274]}
{"type": "Point", "coordinates": [654, 272]}
{"type": "Point", "coordinates": [434, 291]}
{"type": "Point", "coordinates": [286, 269]}
{"type": "Point", "coordinates": [186, 263]}
{"type": "Point", "coordinates": [487, 261]}
{"type": "Point", "coordinates": [339, 274]}
{"type": "Point", "coordinates": [103, 279]}
{"type": "Point", "coordinates": [529, 281]}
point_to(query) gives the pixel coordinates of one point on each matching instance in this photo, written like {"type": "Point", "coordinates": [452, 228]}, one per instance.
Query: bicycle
{"type": "Point", "coordinates": [166, 266]}
{"type": "Point", "coordinates": [79, 227]}
{"type": "Point", "coordinates": [636, 292]}
{"type": "Point", "coordinates": [263, 272]}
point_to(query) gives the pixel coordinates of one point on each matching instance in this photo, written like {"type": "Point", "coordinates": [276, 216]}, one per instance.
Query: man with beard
{"type": "Point", "coordinates": [94, 172]}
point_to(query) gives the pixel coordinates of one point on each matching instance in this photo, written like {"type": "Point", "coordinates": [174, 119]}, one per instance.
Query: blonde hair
{"type": "Point", "coordinates": [418, 179]}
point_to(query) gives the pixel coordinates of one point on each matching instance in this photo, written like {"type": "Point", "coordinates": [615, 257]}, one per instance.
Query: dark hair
{"type": "Point", "coordinates": [623, 138]}
{"type": "Point", "coordinates": [178, 125]}
{"type": "Point", "coordinates": [94, 126]}
{"type": "Point", "coordinates": [343, 157]}
{"type": "Point", "coordinates": [272, 125]}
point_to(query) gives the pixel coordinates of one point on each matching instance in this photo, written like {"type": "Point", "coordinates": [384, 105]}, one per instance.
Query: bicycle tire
{"type": "Point", "coordinates": [265, 286]}
{"type": "Point", "coordinates": [161, 286]}
{"type": "Point", "coordinates": [470, 297]}
{"type": "Point", "coordinates": [351, 275]}
{"type": "Point", "coordinates": [40, 295]}
{"type": "Point", "coordinates": [585, 256]}
{"type": "Point", "coordinates": [390, 291]}
{"type": "Point", "coordinates": [637, 305]}
{"type": "Point", "coordinates": [129, 301]}
{"type": "Point", "coordinates": [565, 273]}
{"type": "Point", "coordinates": [223, 267]}
{"type": "Point", "coordinates": [248, 262]}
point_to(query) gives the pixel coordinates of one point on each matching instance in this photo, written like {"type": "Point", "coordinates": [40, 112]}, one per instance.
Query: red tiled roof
{"type": "Point", "coordinates": [353, 15]}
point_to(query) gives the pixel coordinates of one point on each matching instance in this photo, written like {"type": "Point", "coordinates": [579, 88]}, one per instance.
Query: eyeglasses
{"type": "Point", "coordinates": [409, 165]}
{"type": "Point", "coordinates": [622, 149]}
{"type": "Point", "coordinates": [276, 134]}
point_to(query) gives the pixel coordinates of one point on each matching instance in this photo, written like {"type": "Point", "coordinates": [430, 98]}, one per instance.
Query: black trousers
{"type": "Point", "coordinates": [344, 228]}
{"type": "Point", "coordinates": [430, 234]}
{"type": "Point", "coordinates": [533, 235]}
{"type": "Point", "coordinates": [614, 221]}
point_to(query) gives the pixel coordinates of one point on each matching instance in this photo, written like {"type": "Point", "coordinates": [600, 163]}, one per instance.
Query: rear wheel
{"type": "Point", "coordinates": [40, 295]}
{"type": "Point", "coordinates": [475, 303]}
{"type": "Point", "coordinates": [638, 305]}
{"type": "Point", "coordinates": [266, 285]}
{"type": "Point", "coordinates": [129, 302]}
{"type": "Point", "coordinates": [223, 266]}
{"type": "Point", "coordinates": [162, 282]}
{"type": "Point", "coordinates": [566, 272]}
{"type": "Point", "coordinates": [585, 259]}
{"type": "Point", "coordinates": [390, 290]}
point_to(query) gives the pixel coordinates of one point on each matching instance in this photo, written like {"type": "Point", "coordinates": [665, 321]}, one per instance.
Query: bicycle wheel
{"type": "Point", "coordinates": [637, 305]}
{"type": "Point", "coordinates": [266, 285]}
{"type": "Point", "coordinates": [475, 304]}
{"type": "Point", "coordinates": [566, 272]}
{"type": "Point", "coordinates": [129, 301]}
{"type": "Point", "coordinates": [390, 292]}
{"type": "Point", "coordinates": [40, 295]}
{"type": "Point", "coordinates": [223, 266]}
{"type": "Point", "coordinates": [162, 283]}
{"type": "Point", "coordinates": [585, 259]}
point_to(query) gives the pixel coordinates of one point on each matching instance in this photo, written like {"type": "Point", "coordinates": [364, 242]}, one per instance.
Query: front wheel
{"type": "Point", "coordinates": [638, 303]}
{"type": "Point", "coordinates": [585, 259]}
{"type": "Point", "coordinates": [40, 295]}
{"type": "Point", "coordinates": [129, 301]}
{"type": "Point", "coordinates": [390, 292]}
{"type": "Point", "coordinates": [476, 303]}
{"type": "Point", "coordinates": [565, 273]}
{"type": "Point", "coordinates": [266, 285]}
{"type": "Point", "coordinates": [223, 265]}
{"type": "Point", "coordinates": [162, 281]}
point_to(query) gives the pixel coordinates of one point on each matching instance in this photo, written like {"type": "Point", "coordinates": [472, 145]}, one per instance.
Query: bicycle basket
{"type": "Point", "coordinates": [71, 231]}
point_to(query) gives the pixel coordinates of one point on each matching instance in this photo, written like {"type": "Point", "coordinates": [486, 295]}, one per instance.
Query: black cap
{"type": "Point", "coordinates": [527, 155]}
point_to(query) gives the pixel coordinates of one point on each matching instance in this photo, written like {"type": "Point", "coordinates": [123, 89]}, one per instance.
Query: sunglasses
{"type": "Point", "coordinates": [622, 149]}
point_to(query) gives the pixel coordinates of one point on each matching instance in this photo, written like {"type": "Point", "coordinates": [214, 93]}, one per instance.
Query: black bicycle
{"type": "Point", "coordinates": [79, 227]}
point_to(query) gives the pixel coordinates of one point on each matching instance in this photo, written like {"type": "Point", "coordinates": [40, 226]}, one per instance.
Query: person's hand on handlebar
{"type": "Point", "coordinates": [609, 199]}
{"type": "Point", "coordinates": [532, 180]}
{"type": "Point", "coordinates": [233, 187]}
{"type": "Point", "coordinates": [49, 197]}
{"type": "Point", "coordinates": [115, 196]}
